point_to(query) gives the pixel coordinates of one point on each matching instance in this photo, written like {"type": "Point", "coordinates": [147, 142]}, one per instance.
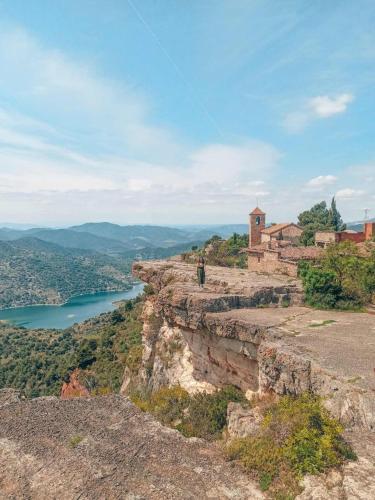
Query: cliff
{"type": "Point", "coordinates": [104, 447]}
{"type": "Point", "coordinates": [252, 331]}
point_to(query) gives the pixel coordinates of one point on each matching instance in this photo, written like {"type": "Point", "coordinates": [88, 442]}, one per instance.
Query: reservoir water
{"type": "Point", "coordinates": [75, 310]}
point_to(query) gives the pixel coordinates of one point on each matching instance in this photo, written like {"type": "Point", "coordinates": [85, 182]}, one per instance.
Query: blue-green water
{"type": "Point", "coordinates": [76, 310]}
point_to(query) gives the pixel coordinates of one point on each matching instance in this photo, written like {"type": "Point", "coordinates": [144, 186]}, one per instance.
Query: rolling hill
{"type": "Point", "coordinates": [113, 239]}
{"type": "Point", "coordinates": [33, 271]}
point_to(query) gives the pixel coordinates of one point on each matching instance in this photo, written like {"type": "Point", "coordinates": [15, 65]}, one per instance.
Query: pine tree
{"type": "Point", "coordinates": [335, 219]}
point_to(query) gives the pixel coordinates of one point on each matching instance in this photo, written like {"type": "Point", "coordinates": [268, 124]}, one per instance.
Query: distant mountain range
{"type": "Point", "coordinates": [33, 271]}
{"type": "Point", "coordinates": [358, 225]}
{"type": "Point", "coordinates": [114, 239]}
{"type": "Point", "coordinates": [49, 266]}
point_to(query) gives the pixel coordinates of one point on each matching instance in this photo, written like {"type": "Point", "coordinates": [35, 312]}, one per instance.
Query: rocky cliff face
{"type": "Point", "coordinates": [185, 341]}
{"type": "Point", "coordinates": [252, 331]}
{"type": "Point", "coordinates": [73, 388]}
{"type": "Point", "coordinates": [106, 448]}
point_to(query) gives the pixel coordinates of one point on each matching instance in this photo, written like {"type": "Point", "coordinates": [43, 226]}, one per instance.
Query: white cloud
{"type": "Point", "coordinates": [318, 107]}
{"type": "Point", "coordinates": [321, 181]}
{"type": "Point", "coordinates": [349, 194]}
{"type": "Point", "coordinates": [325, 106]}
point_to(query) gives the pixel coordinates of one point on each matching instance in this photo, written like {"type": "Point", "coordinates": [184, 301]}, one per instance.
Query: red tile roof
{"type": "Point", "coordinates": [298, 253]}
{"type": "Point", "coordinates": [287, 251]}
{"type": "Point", "coordinates": [257, 211]}
{"type": "Point", "coordinates": [275, 228]}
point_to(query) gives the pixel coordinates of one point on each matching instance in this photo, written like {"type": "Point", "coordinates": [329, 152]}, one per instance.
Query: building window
{"type": "Point", "coordinates": [257, 221]}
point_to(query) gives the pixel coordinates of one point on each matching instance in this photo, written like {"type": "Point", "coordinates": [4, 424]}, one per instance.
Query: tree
{"type": "Point", "coordinates": [318, 218]}
{"type": "Point", "coordinates": [334, 217]}
{"type": "Point", "coordinates": [343, 278]}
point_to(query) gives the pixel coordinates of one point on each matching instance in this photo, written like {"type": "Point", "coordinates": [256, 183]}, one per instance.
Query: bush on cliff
{"type": "Point", "coordinates": [343, 278]}
{"type": "Point", "coordinates": [200, 415]}
{"type": "Point", "coordinates": [297, 437]}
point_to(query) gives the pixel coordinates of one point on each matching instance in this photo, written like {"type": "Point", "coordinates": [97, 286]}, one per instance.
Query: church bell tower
{"type": "Point", "coordinates": [256, 226]}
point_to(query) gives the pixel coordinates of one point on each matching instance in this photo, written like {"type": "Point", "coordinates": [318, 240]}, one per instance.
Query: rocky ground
{"type": "Point", "coordinates": [106, 448]}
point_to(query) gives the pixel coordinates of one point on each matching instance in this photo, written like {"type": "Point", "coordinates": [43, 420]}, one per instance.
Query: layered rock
{"type": "Point", "coordinates": [252, 331]}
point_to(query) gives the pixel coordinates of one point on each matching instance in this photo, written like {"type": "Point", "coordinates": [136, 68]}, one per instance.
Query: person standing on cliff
{"type": "Point", "coordinates": [201, 272]}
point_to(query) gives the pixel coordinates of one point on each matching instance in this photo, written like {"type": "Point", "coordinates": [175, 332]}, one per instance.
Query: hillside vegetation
{"type": "Point", "coordinates": [36, 272]}
{"type": "Point", "coordinates": [343, 279]}
{"type": "Point", "coordinates": [218, 252]}
{"type": "Point", "coordinates": [38, 361]}
{"type": "Point", "coordinates": [115, 239]}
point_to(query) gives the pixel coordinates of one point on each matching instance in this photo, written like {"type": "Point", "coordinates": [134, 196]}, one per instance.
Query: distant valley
{"type": "Point", "coordinates": [33, 271]}
{"type": "Point", "coordinates": [49, 266]}
{"type": "Point", "coordinates": [114, 239]}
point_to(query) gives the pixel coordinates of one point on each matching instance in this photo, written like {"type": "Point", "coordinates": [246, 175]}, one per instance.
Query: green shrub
{"type": "Point", "coordinates": [167, 404]}
{"type": "Point", "coordinates": [297, 437]}
{"type": "Point", "coordinates": [74, 441]}
{"type": "Point", "coordinates": [343, 278]}
{"type": "Point", "coordinates": [207, 413]}
{"type": "Point", "coordinates": [200, 415]}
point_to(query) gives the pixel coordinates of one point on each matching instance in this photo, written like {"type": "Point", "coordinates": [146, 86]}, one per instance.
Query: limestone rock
{"type": "Point", "coordinates": [242, 421]}
{"type": "Point", "coordinates": [104, 447]}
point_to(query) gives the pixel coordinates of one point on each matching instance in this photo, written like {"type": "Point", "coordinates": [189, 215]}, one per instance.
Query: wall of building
{"type": "Point", "coordinates": [272, 265]}
{"type": "Point", "coordinates": [369, 230]}
{"type": "Point", "coordinates": [291, 233]}
{"type": "Point", "coordinates": [355, 237]}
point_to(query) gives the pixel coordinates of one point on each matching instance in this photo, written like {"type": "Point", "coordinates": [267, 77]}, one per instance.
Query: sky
{"type": "Point", "coordinates": [185, 112]}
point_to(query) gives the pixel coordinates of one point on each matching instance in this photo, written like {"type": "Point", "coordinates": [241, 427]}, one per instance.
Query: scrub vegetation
{"type": "Point", "coordinates": [297, 436]}
{"type": "Point", "coordinates": [219, 252]}
{"type": "Point", "coordinates": [38, 361]}
{"type": "Point", "coordinates": [200, 415]}
{"type": "Point", "coordinates": [343, 279]}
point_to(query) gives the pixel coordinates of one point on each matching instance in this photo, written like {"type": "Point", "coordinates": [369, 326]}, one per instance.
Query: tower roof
{"type": "Point", "coordinates": [257, 211]}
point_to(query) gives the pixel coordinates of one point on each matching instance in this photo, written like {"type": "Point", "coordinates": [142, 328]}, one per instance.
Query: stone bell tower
{"type": "Point", "coordinates": [256, 226]}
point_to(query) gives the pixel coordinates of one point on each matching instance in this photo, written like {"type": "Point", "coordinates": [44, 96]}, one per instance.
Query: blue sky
{"type": "Point", "coordinates": [166, 111]}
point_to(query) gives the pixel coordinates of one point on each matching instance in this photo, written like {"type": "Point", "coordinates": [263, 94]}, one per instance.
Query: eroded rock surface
{"type": "Point", "coordinates": [104, 447]}
{"type": "Point", "coordinates": [251, 330]}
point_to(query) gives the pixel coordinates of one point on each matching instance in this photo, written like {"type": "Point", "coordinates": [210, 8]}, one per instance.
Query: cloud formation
{"type": "Point", "coordinates": [321, 181]}
{"type": "Point", "coordinates": [324, 106]}
{"type": "Point", "coordinates": [319, 107]}
{"type": "Point", "coordinates": [349, 193]}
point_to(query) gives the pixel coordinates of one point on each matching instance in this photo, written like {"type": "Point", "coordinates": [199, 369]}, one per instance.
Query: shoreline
{"type": "Point", "coordinates": [61, 304]}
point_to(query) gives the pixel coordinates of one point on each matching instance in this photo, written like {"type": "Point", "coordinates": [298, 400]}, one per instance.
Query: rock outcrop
{"type": "Point", "coordinates": [73, 388]}
{"type": "Point", "coordinates": [105, 447]}
{"type": "Point", "coordinates": [252, 331]}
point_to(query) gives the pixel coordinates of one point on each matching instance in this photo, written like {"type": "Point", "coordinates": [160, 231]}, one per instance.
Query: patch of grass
{"type": "Point", "coordinates": [75, 440]}
{"type": "Point", "coordinates": [322, 323]}
{"type": "Point", "coordinates": [297, 437]}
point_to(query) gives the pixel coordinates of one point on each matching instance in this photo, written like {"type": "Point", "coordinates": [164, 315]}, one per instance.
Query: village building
{"type": "Point", "coordinates": [274, 249]}
{"type": "Point", "coordinates": [325, 238]}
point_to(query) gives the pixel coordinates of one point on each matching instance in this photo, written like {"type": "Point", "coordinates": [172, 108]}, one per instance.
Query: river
{"type": "Point", "coordinates": [75, 310]}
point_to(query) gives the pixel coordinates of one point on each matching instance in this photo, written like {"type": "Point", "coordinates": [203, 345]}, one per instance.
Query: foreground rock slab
{"type": "Point", "coordinates": [104, 447]}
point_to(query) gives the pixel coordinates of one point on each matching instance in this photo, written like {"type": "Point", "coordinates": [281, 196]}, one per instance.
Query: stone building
{"type": "Point", "coordinates": [273, 249]}
{"type": "Point", "coordinates": [279, 232]}
{"type": "Point", "coordinates": [325, 238]}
